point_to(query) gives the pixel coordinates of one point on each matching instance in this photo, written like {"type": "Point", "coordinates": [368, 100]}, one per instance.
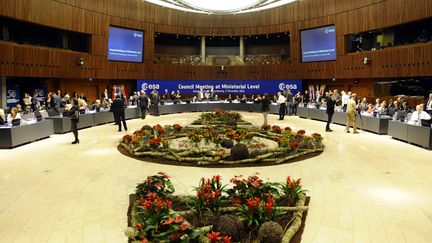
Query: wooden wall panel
{"type": "Point", "coordinates": [95, 16]}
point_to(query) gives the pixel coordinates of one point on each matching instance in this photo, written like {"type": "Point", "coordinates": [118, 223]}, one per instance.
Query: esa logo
{"type": "Point", "coordinates": [329, 30]}
{"type": "Point", "coordinates": [138, 35]}
{"type": "Point", "coordinates": [283, 86]}
{"type": "Point", "coordinates": [11, 94]}
{"type": "Point", "coordinates": [146, 86]}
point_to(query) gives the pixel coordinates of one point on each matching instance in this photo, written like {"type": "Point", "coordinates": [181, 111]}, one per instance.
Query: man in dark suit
{"type": "Point", "coordinates": [331, 101]}
{"type": "Point", "coordinates": [118, 108]}
{"type": "Point", "coordinates": [143, 104]}
{"type": "Point", "coordinates": [154, 100]}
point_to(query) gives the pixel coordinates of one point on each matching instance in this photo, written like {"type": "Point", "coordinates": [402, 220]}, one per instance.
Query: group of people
{"type": "Point", "coordinates": [354, 105]}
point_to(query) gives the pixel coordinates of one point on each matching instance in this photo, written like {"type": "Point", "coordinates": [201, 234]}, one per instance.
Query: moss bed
{"type": "Point", "coordinates": [220, 139]}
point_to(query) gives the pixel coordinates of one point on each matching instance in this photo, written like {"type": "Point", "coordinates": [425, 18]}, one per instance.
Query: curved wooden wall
{"type": "Point", "coordinates": [95, 16]}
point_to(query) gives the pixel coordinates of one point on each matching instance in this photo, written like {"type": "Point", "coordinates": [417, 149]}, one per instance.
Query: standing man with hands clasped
{"type": "Point", "coordinates": [143, 104]}
{"type": "Point", "coordinates": [351, 113]}
{"type": "Point", "coordinates": [118, 108]}
{"type": "Point", "coordinates": [331, 101]}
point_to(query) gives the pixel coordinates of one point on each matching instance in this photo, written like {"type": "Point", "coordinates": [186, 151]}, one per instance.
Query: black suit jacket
{"type": "Point", "coordinates": [143, 101]}
{"type": "Point", "coordinates": [265, 105]}
{"type": "Point", "coordinates": [330, 106]}
{"type": "Point", "coordinates": [118, 106]}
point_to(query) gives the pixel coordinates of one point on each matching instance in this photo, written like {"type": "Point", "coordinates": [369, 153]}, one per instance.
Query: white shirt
{"type": "Point", "coordinates": [9, 118]}
{"type": "Point", "coordinates": [416, 117]}
{"type": "Point", "coordinates": [345, 99]}
{"type": "Point", "coordinates": [281, 99]}
{"type": "Point", "coordinates": [429, 105]}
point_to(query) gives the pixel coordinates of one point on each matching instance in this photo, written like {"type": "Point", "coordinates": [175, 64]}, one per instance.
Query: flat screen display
{"type": "Point", "coordinates": [318, 44]}
{"type": "Point", "coordinates": [125, 44]}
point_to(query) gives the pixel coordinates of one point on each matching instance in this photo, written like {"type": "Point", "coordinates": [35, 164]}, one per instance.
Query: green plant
{"type": "Point", "coordinates": [159, 184]}
{"type": "Point", "coordinates": [257, 211]}
{"type": "Point", "coordinates": [155, 223]}
{"type": "Point", "coordinates": [165, 143]}
{"type": "Point", "coordinates": [251, 187]}
{"type": "Point", "coordinates": [209, 195]}
{"type": "Point", "coordinates": [291, 189]}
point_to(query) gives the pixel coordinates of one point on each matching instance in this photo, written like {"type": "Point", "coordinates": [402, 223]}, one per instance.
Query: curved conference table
{"type": "Point", "coordinates": [15, 136]}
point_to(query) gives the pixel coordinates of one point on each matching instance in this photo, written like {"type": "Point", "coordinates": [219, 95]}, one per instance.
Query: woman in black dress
{"type": "Point", "coordinates": [265, 108]}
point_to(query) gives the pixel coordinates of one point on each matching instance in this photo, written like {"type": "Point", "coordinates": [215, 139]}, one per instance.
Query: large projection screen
{"type": "Point", "coordinates": [318, 44]}
{"type": "Point", "coordinates": [125, 45]}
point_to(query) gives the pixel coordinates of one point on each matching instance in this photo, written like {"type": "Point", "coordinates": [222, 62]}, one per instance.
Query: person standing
{"type": "Point", "coordinates": [118, 108]}
{"type": "Point", "coordinates": [351, 113]}
{"type": "Point", "coordinates": [289, 96]}
{"type": "Point", "coordinates": [265, 108]}
{"type": "Point", "coordinates": [154, 100]}
{"type": "Point", "coordinates": [331, 102]}
{"type": "Point", "coordinates": [74, 115]}
{"type": "Point", "coordinates": [428, 106]}
{"type": "Point", "coordinates": [143, 104]}
{"type": "Point", "coordinates": [297, 100]}
{"type": "Point", "coordinates": [282, 105]}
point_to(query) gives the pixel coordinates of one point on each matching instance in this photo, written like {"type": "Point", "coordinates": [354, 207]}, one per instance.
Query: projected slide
{"type": "Point", "coordinates": [318, 44]}
{"type": "Point", "coordinates": [125, 44]}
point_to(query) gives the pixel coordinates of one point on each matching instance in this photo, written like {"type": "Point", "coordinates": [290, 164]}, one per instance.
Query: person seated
{"type": "Point", "coordinates": [229, 99]}
{"type": "Point", "coordinates": [96, 105]}
{"type": "Point", "coordinates": [83, 106]}
{"type": "Point", "coordinates": [19, 108]}
{"type": "Point", "coordinates": [27, 102]}
{"type": "Point", "coordinates": [194, 99]}
{"type": "Point", "coordinates": [371, 109]}
{"type": "Point", "coordinates": [216, 98]}
{"type": "Point", "coordinates": [38, 106]}
{"type": "Point", "coordinates": [14, 115]}
{"type": "Point", "coordinates": [2, 117]}
{"type": "Point", "coordinates": [419, 115]}
{"type": "Point", "coordinates": [243, 99]}
{"type": "Point", "coordinates": [383, 110]}
{"type": "Point", "coordinates": [258, 99]}
{"type": "Point", "coordinates": [178, 95]}
{"type": "Point", "coordinates": [105, 104]}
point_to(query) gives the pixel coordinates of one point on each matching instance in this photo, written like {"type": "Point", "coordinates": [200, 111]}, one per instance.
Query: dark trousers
{"type": "Point", "coordinates": [119, 117]}
{"type": "Point", "coordinates": [156, 109]}
{"type": "Point", "coordinates": [282, 110]}
{"type": "Point", "coordinates": [143, 111]}
{"type": "Point", "coordinates": [329, 120]}
{"type": "Point", "coordinates": [295, 108]}
{"type": "Point", "coordinates": [74, 128]}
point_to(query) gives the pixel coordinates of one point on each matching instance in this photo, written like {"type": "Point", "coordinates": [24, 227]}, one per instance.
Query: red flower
{"type": "Point", "coordinates": [163, 174]}
{"type": "Point", "coordinates": [294, 144]}
{"type": "Point", "coordinates": [316, 135]}
{"type": "Point", "coordinates": [269, 206]}
{"type": "Point", "coordinates": [168, 221]}
{"type": "Point", "coordinates": [148, 204]}
{"type": "Point", "coordinates": [199, 194]}
{"type": "Point", "coordinates": [214, 237]}
{"type": "Point", "coordinates": [184, 227]}
{"type": "Point", "coordinates": [217, 193]}
{"type": "Point", "coordinates": [301, 132]}
{"type": "Point", "coordinates": [291, 185]}
{"type": "Point", "coordinates": [144, 241]}
{"type": "Point", "coordinates": [288, 178]}
{"type": "Point", "coordinates": [298, 181]}
{"type": "Point", "coordinates": [168, 204]}
{"type": "Point", "coordinates": [179, 219]}
{"type": "Point", "coordinates": [151, 196]}
{"type": "Point", "coordinates": [139, 226]}
{"type": "Point", "coordinates": [159, 204]}
{"type": "Point", "coordinates": [226, 239]}
{"type": "Point", "coordinates": [158, 185]}
{"type": "Point", "coordinates": [216, 178]}
{"type": "Point", "coordinates": [251, 205]}
{"type": "Point", "coordinates": [256, 183]}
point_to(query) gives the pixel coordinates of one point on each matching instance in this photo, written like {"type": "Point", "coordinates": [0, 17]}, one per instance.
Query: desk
{"type": "Point", "coordinates": [14, 136]}
{"type": "Point", "coordinates": [103, 117]}
{"type": "Point", "coordinates": [63, 124]}
{"type": "Point", "coordinates": [421, 136]}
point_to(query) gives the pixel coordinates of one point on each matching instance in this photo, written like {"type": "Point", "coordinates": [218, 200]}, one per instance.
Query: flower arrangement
{"type": "Point", "coordinates": [283, 142]}
{"type": "Point", "coordinates": [215, 238]}
{"type": "Point", "coordinates": [238, 134]}
{"type": "Point", "coordinates": [195, 136]}
{"type": "Point", "coordinates": [217, 139]}
{"type": "Point", "coordinates": [257, 211]}
{"type": "Point", "coordinates": [155, 223]}
{"type": "Point", "coordinates": [251, 187]}
{"type": "Point", "coordinates": [276, 129]}
{"type": "Point", "coordinates": [209, 195]}
{"type": "Point", "coordinates": [159, 184]}
{"type": "Point", "coordinates": [291, 189]}
{"type": "Point", "coordinates": [155, 142]}
{"type": "Point", "coordinates": [177, 127]}
{"type": "Point", "coordinates": [294, 145]}
{"type": "Point", "coordinates": [301, 132]}
{"type": "Point", "coordinates": [159, 129]}
{"type": "Point", "coordinates": [127, 138]}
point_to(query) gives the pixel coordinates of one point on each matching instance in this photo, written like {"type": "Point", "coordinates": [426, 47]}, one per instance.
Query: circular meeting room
{"type": "Point", "coordinates": [215, 121]}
